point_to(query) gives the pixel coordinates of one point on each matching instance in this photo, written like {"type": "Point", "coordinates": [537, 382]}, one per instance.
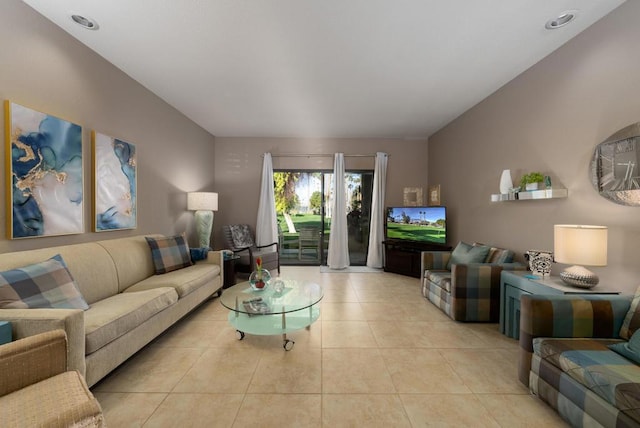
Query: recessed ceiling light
{"type": "Point", "coordinates": [563, 19]}
{"type": "Point", "coordinates": [85, 22]}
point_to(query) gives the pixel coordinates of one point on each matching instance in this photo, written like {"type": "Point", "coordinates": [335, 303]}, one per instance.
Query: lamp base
{"type": "Point", "coordinates": [579, 276]}
{"type": "Point", "coordinates": [204, 224]}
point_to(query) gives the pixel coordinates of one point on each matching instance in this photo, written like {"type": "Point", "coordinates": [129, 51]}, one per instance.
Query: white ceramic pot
{"type": "Point", "coordinates": [505, 181]}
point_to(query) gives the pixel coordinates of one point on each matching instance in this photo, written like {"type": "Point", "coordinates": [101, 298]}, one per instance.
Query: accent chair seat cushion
{"type": "Point", "coordinates": [269, 257]}
{"type": "Point", "coordinates": [114, 316]}
{"type": "Point", "coordinates": [62, 400]}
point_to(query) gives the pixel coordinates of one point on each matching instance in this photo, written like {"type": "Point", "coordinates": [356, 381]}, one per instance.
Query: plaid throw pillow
{"type": "Point", "coordinates": [465, 253]}
{"type": "Point", "coordinates": [169, 253]}
{"type": "Point", "coordinates": [47, 284]}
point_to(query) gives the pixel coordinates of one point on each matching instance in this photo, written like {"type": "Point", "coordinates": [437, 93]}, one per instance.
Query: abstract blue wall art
{"type": "Point", "coordinates": [114, 175]}
{"type": "Point", "coordinates": [44, 174]}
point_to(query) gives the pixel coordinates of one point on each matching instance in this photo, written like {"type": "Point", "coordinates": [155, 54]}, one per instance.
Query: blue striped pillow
{"type": "Point", "coordinates": [47, 284]}
{"type": "Point", "coordinates": [169, 253]}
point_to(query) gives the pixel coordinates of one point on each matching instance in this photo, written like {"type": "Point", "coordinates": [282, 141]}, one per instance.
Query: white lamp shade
{"type": "Point", "coordinates": [580, 244]}
{"type": "Point", "coordinates": [205, 201]}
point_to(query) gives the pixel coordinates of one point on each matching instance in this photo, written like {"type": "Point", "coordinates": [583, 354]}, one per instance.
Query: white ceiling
{"type": "Point", "coordinates": [323, 68]}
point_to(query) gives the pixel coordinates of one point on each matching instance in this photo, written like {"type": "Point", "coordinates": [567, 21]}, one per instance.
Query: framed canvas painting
{"type": "Point", "coordinates": [44, 174]}
{"type": "Point", "coordinates": [114, 183]}
{"type": "Point", "coordinates": [434, 195]}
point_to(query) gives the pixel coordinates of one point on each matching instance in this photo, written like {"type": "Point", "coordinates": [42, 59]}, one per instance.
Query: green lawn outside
{"type": "Point", "coordinates": [301, 221]}
{"type": "Point", "coordinates": [414, 232]}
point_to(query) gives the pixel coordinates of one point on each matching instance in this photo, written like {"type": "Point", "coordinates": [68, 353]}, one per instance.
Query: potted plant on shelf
{"type": "Point", "coordinates": [530, 181]}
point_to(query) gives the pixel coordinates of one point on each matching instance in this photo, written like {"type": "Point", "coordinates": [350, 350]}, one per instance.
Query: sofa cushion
{"type": "Point", "coordinates": [184, 280]}
{"type": "Point", "coordinates": [631, 321]}
{"type": "Point", "coordinates": [467, 253]}
{"type": "Point", "coordinates": [169, 253]}
{"type": "Point", "coordinates": [499, 255]}
{"type": "Point", "coordinates": [629, 350]}
{"type": "Point", "coordinates": [114, 316]}
{"type": "Point", "coordinates": [46, 284]}
{"type": "Point", "coordinates": [589, 362]}
{"type": "Point", "coordinates": [441, 278]}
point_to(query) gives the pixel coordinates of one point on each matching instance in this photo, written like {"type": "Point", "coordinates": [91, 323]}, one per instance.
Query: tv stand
{"type": "Point", "coordinates": [403, 257]}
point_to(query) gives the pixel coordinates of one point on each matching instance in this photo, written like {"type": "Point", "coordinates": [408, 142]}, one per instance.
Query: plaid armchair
{"type": "Point", "coordinates": [466, 291]}
{"type": "Point", "coordinates": [565, 360]}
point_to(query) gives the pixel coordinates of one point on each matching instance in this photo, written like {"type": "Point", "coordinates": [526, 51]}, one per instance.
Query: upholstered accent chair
{"type": "Point", "coordinates": [36, 389]}
{"type": "Point", "coordinates": [465, 283]}
{"type": "Point", "coordinates": [240, 239]}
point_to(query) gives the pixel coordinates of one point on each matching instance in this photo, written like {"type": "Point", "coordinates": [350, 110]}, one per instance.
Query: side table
{"type": "Point", "coordinates": [229, 271]}
{"type": "Point", "coordinates": [5, 332]}
{"type": "Point", "coordinates": [514, 284]}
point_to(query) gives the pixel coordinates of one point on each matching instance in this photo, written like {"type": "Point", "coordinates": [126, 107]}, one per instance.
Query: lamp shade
{"type": "Point", "coordinates": [580, 244]}
{"type": "Point", "coordinates": [205, 201]}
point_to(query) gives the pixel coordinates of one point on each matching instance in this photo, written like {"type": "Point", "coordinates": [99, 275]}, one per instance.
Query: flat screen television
{"type": "Point", "coordinates": [417, 224]}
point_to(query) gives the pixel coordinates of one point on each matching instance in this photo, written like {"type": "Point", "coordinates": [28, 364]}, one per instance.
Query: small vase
{"type": "Point", "coordinates": [505, 181]}
{"type": "Point", "coordinates": [259, 280]}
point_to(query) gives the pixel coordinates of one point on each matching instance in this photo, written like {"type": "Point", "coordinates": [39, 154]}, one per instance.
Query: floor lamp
{"type": "Point", "coordinates": [204, 204]}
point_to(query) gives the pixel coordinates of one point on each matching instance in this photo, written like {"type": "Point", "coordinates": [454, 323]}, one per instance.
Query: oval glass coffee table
{"type": "Point", "coordinates": [268, 312]}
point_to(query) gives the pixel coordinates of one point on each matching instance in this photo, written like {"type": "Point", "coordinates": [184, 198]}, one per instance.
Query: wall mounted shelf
{"type": "Point", "coordinates": [531, 195]}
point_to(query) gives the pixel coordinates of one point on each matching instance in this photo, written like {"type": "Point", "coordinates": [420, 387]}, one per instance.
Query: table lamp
{"type": "Point", "coordinates": [580, 245]}
{"type": "Point", "coordinates": [204, 204]}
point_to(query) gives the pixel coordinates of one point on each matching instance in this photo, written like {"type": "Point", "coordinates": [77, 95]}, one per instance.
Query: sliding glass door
{"type": "Point", "coordinates": [304, 215]}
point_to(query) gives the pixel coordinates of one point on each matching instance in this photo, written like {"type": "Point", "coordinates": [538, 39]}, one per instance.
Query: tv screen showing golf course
{"type": "Point", "coordinates": [421, 224]}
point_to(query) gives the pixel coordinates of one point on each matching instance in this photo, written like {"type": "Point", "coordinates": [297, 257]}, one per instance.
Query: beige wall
{"type": "Point", "coordinates": [238, 168]}
{"type": "Point", "coordinates": [550, 119]}
{"type": "Point", "coordinates": [47, 70]}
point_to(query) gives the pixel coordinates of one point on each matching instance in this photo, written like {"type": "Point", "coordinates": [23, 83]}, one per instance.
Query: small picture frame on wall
{"type": "Point", "coordinates": [434, 195]}
{"type": "Point", "coordinates": [412, 196]}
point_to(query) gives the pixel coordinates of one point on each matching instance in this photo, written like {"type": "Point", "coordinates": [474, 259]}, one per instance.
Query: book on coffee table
{"type": "Point", "coordinates": [256, 306]}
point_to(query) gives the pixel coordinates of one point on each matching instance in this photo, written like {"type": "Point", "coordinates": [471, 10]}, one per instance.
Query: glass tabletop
{"type": "Point", "coordinates": [297, 295]}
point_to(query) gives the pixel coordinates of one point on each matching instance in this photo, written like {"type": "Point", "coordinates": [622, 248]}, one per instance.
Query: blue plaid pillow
{"type": "Point", "coordinates": [47, 284]}
{"type": "Point", "coordinates": [169, 253]}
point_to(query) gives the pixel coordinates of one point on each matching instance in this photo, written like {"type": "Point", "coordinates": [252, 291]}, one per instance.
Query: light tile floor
{"type": "Point", "coordinates": [379, 356]}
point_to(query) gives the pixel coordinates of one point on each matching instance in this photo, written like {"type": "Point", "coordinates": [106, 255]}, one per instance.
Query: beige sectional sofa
{"type": "Point", "coordinates": [129, 304]}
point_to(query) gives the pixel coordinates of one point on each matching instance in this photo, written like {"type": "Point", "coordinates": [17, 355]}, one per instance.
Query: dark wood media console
{"type": "Point", "coordinates": [403, 257]}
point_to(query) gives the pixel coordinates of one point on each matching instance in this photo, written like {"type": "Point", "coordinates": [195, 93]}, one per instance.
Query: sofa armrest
{"type": "Point", "coordinates": [214, 257]}
{"type": "Point", "coordinates": [32, 359]}
{"type": "Point", "coordinates": [29, 322]}
{"type": "Point", "coordinates": [593, 316]}
{"type": "Point", "coordinates": [434, 260]}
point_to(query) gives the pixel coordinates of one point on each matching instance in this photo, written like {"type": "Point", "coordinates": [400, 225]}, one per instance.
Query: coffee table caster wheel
{"type": "Point", "coordinates": [288, 345]}
{"type": "Point", "coordinates": [240, 334]}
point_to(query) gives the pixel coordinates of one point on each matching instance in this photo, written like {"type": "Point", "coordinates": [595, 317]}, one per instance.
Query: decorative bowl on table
{"type": "Point", "coordinates": [259, 280]}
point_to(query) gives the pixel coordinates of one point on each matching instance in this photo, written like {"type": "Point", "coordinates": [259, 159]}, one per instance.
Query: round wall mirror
{"type": "Point", "coordinates": [614, 167]}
